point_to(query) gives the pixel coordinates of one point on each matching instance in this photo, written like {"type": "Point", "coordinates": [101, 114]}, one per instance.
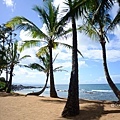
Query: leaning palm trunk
{"type": "Point", "coordinates": [41, 91]}
{"type": "Point", "coordinates": [72, 105]}
{"type": "Point", "coordinates": [53, 92]}
{"type": "Point", "coordinates": [109, 80]}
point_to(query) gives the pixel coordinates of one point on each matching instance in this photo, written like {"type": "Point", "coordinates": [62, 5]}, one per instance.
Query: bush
{"type": "Point", "coordinates": [2, 79]}
{"type": "Point", "coordinates": [2, 82]}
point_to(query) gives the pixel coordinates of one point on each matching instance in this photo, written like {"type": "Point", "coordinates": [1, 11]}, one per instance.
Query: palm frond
{"type": "Point", "coordinates": [53, 13]}
{"type": "Point", "coordinates": [64, 34]}
{"type": "Point", "coordinates": [59, 69]}
{"type": "Point", "coordinates": [42, 14]}
{"type": "Point", "coordinates": [25, 56]}
{"type": "Point", "coordinates": [36, 66]}
{"type": "Point", "coordinates": [23, 23]}
{"type": "Point", "coordinates": [42, 51]}
{"type": "Point", "coordinates": [48, 17]}
{"type": "Point", "coordinates": [67, 46]}
{"type": "Point", "coordinates": [101, 6]}
{"type": "Point", "coordinates": [55, 58]}
{"type": "Point", "coordinates": [76, 8]}
{"type": "Point", "coordinates": [29, 44]}
{"type": "Point", "coordinates": [89, 30]}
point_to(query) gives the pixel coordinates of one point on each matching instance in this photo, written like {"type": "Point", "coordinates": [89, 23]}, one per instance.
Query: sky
{"type": "Point", "coordinates": [90, 67]}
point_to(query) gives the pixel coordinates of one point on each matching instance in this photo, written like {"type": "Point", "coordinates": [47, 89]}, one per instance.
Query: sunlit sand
{"type": "Point", "coordinates": [17, 107]}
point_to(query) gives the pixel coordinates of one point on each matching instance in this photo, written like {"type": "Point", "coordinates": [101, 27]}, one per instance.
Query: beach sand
{"type": "Point", "coordinates": [19, 107]}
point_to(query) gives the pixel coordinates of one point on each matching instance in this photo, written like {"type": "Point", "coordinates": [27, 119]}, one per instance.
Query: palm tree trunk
{"type": "Point", "coordinates": [53, 92]}
{"type": "Point", "coordinates": [10, 79]}
{"type": "Point", "coordinates": [72, 105]}
{"type": "Point", "coordinates": [43, 89]}
{"type": "Point", "coordinates": [109, 80]}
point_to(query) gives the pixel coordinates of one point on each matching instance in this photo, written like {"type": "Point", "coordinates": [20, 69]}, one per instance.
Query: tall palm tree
{"type": "Point", "coordinates": [54, 30]}
{"type": "Point", "coordinates": [43, 67]}
{"type": "Point", "coordinates": [14, 59]}
{"type": "Point", "coordinates": [98, 22]}
{"type": "Point", "coordinates": [75, 9]}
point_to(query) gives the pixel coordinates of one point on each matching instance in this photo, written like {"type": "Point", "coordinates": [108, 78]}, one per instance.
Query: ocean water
{"type": "Point", "coordinates": [86, 91]}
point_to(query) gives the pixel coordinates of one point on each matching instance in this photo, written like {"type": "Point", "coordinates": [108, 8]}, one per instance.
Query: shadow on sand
{"type": "Point", "coordinates": [89, 110]}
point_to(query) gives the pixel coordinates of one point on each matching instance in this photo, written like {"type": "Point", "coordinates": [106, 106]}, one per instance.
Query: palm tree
{"type": "Point", "coordinates": [54, 30]}
{"type": "Point", "coordinates": [14, 59]}
{"type": "Point", "coordinates": [98, 22]}
{"type": "Point", "coordinates": [45, 67]}
{"type": "Point", "coordinates": [75, 9]}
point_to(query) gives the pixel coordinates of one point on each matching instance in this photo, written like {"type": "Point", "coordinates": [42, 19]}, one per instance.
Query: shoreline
{"type": "Point", "coordinates": [46, 108]}
{"type": "Point", "coordinates": [92, 92]}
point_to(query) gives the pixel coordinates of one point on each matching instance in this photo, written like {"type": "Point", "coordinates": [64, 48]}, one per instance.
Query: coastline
{"type": "Point", "coordinates": [86, 91]}
{"type": "Point", "coordinates": [46, 108]}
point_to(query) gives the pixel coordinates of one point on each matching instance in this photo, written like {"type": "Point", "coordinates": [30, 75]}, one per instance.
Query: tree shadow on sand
{"type": "Point", "coordinates": [60, 100]}
{"type": "Point", "coordinates": [92, 111]}
{"type": "Point", "coordinates": [4, 94]}
{"type": "Point", "coordinates": [89, 110]}
{"type": "Point", "coordinates": [111, 111]}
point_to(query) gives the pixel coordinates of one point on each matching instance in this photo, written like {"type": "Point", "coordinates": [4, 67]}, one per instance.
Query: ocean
{"type": "Point", "coordinates": [86, 91]}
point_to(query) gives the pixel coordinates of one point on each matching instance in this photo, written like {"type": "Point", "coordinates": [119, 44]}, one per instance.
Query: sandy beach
{"type": "Point", "coordinates": [19, 107]}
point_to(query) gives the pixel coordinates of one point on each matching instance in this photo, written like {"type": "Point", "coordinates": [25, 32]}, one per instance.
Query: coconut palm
{"type": "Point", "coordinates": [43, 67]}
{"type": "Point", "coordinates": [98, 22]}
{"type": "Point", "coordinates": [54, 30]}
{"type": "Point", "coordinates": [13, 59]}
{"type": "Point", "coordinates": [75, 9]}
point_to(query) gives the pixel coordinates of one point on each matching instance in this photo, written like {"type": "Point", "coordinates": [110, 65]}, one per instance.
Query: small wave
{"type": "Point", "coordinates": [101, 90]}
{"type": "Point", "coordinates": [82, 89]}
{"type": "Point", "coordinates": [62, 90]}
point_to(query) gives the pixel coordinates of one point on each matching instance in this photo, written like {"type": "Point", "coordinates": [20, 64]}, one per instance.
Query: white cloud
{"type": "Point", "coordinates": [117, 32]}
{"type": "Point", "coordinates": [28, 76]}
{"type": "Point", "coordinates": [115, 79]}
{"type": "Point", "coordinates": [9, 3]}
{"type": "Point", "coordinates": [92, 50]}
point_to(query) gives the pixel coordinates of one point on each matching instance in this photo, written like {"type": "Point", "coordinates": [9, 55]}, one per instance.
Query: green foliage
{"type": "Point", "coordinates": [2, 79]}
{"type": "Point", "coordinates": [36, 66]}
{"type": "Point", "coordinates": [2, 84]}
{"type": "Point", "coordinates": [44, 65]}
{"type": "Point", "coordinates": [25, 24]}
{"type": "Point", "coordinates": [97, 20]}
{"type": "Point", "coordinates": [89, 30]}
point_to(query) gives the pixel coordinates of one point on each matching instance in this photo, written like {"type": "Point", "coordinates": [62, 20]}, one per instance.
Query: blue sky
{"type": "Point", "coordinates": [90, 67]}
